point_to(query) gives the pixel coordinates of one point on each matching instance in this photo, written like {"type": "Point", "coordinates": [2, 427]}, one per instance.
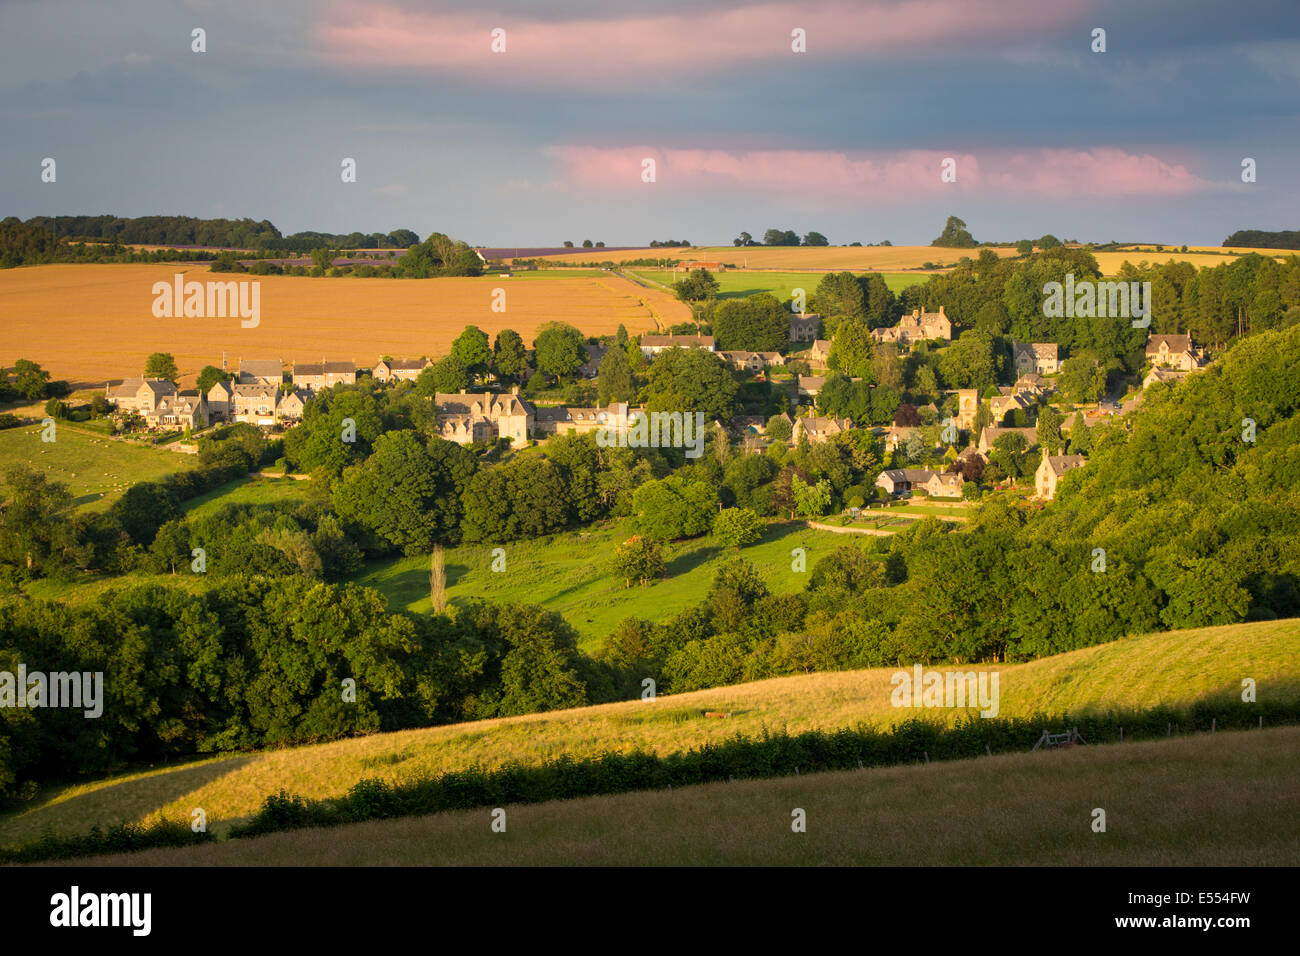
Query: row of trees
{"type": "Point", "coordinates": [224, 233]}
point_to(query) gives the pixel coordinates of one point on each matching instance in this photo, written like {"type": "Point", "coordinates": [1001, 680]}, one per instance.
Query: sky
{"type": "Point", "coordinates": [547, 141]}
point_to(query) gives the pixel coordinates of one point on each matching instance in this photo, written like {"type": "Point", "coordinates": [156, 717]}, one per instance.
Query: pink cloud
{"type": "Point", "coordinates": [902, 175]}
{"type": "Point", "coordinates": [617, 51]}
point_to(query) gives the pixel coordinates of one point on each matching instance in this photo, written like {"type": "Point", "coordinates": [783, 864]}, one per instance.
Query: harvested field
{"type": "Point", "coordinates": [93, 323]}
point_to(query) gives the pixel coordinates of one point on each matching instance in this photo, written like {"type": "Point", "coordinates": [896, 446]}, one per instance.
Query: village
{"type": "Point", "coordinates": [926, 453]}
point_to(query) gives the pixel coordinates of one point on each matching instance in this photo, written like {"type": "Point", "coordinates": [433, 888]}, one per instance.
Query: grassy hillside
{"type": "Point", "coordinates": [569, 573]}
{"type": "Point", "coordinates": [1175, 668]}
{"type": "Point", "coordinates": [1208, 800]}
{"type": "Point", "coordinates": [252, 490]}
{"type": "Point", "coordinates": [97, 469]}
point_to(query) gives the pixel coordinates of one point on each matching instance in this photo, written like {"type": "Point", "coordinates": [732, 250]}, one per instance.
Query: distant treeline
{"type": "Point", "coordinates": [1259, 239]}
{"type": "Point", "coordinates": [36, 242]}
{"type": "Point", "coordinates": [220, 233]}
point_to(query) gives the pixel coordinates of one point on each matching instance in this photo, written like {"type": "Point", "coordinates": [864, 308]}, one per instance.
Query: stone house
{"type": "Point", "coordinates": [652, 345]}
{"type": "Point", "coordinates": [946, 484]}
{"type": "Point", "coordinates": [1050, 471]}
{"type": "Point", "coordinates": [991, 433]}
{"type": "Point", "coordinates": [468, 417]}
{"type": "Point", "coordinates": [897, 480]}
{"type": "Point", "coordinates": [1160, 373]}
{"type": "Point", "coordinates": [1172, 351]}
{"type": "Point", "coordinates": [260, 372]}
{"type": "Point", "coordinates": [405, 369]}
{"type": "Point", "coordinates": [917, 327]}
{"type": "Point", "coordinates": [567, 420]}
{"type": "Point", "coordinates": [323, 374]}
{"type": "Point", "coordinates": [140, 395]}
{"type": "Point", "coordinates": [1038, 358]}
{"type": "Point", "coordinates": [820, 429]}
{"type": "Point", "coordinates": [178, 411]}
{"type": "Point", "coordinates": [805, 326]}
{"type": "Point", "coordinates": [819, 355]}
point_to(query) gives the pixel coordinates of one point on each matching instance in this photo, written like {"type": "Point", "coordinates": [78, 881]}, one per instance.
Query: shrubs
{"type": "Point", "coordinates": [119, 838]}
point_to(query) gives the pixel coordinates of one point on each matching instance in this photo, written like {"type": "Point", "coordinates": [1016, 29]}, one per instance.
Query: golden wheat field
{"type": "Point", "coordinates": [887, 258]}
{"type": "Point", "coordinates": [93, 323]}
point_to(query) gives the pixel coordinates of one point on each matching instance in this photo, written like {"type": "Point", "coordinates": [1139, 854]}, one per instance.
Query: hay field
{"type": "Point", "coordinates": [1175, 669]}
{"type": "Point", "coordinates": [1226, 799]}
{"type": "Point", "coordinates": [93, 323]}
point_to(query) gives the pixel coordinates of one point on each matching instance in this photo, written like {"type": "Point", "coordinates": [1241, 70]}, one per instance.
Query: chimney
{"type": "Point", "coordinates": [941, 310]}
{"type": "Point", "coordinates": [514, 389]}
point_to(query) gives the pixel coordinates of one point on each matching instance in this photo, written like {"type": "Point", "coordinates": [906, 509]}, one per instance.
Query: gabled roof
{"type": "Point", "coordinates": [261, 368]}
{"type": "Point", "coordinates": [486, 404]}
{"type": "Point", "coordinates": [1063, 463]}
{"type": "Point", "coordinates": [1174, 343]}
{"type": "Point", "coordinates": [679, 341]}
{"type": "Point", "coordinates": [324, 368]}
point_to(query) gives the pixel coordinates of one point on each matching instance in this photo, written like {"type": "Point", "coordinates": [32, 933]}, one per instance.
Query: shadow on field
{"type": "Point", "coordinates": [691, 560]}
{"type": "Point", "coordinates": [122, 802]}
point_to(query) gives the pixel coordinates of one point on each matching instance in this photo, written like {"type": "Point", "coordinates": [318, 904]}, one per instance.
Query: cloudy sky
{"type": "Point", "coordinates": [546, 141]}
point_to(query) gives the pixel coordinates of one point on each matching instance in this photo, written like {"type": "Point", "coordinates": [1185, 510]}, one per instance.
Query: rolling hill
{"type": "Point", "coordinates": [1206, 800]}
{"type": "Point", "coordinates": [1175, 669]}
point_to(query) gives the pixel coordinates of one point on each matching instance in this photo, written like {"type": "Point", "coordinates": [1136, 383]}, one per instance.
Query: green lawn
{"type": "Point", "coordinates": [739, 283]}
{"type": "Point", "coordinates": [569, 573]}
{"type": "Point", "coordinates": [96, 468]}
